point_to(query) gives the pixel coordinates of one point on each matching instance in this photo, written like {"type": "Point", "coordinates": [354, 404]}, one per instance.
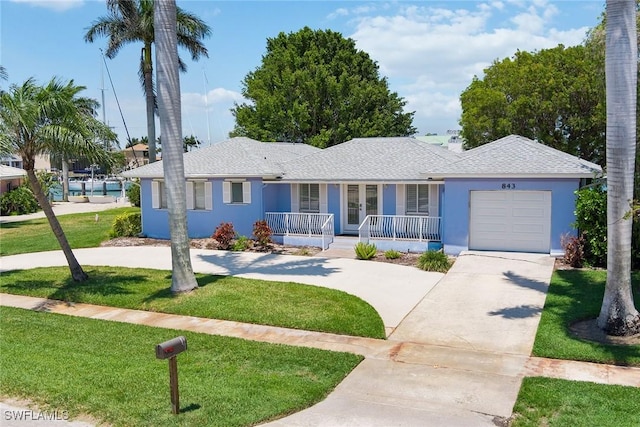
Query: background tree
{"type": "Point", "coordinates": [132, 21]}
{"type": "Point", "coordinates": [38, 120]}
{"type": "Point", "coordinates": [618, 315]}
{"type": "Point", "coordinates": [190, 142]}
{"type": "Point", "coordinates": [316, 87]}
{"type": "Point", "coordinates": [182, 277]}
{"type": "Point", "coordinates": [555, 96]}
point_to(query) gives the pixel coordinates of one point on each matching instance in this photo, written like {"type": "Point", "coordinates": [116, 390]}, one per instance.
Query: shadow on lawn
{"type": "Point", "coordinates": [268, 264]}
{"type": "Point", "coordinates": [104, 284]}
{"type": "Point", "coordinates": [166, 294]}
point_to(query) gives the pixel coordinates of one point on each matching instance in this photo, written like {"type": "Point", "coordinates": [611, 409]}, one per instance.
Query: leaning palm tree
{"type": "Point", "coordinates": [132, 21]}
{"type": "Point", "coordinates": [618, 315]}
{"type": "Point", "coordinates": [51, 119]}
{"type": "Point", "coordinates": [182, 277]}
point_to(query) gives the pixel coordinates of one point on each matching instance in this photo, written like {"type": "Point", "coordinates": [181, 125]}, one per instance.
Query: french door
{"type": "Point", "coordinates": [360, 200]}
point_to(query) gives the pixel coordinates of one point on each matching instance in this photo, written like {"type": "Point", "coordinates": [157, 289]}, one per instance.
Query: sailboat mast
{"type": "Point", "coordinates": [206, 105]}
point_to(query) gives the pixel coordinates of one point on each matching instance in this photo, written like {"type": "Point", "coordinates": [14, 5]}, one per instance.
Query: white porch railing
{"type": "Point", "coordinates": [302, 224]}
{"type": "Point", "coordinates": [400, 227]}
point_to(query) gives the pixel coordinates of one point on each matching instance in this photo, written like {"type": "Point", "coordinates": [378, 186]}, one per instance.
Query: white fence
{"type": "Point", "coordinates": [302, 224]}
{"type": "Point", "coordinates": [399, 227]}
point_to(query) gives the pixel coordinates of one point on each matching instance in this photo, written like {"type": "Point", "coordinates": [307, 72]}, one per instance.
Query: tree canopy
{"type": "Point", "coordinates": [315, 87]}
{"type": "Point", "coordinates": [555, 96]}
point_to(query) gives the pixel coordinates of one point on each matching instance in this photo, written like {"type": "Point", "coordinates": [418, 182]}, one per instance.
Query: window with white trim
{"type": "Point", "coordinates": [158, 195]}
{"type": "Point", "coordinates": [199, 195]}
{"type": "Point", "coordinates": [236, 192]}
{"type": "Point", "coordinates": [309, 198]}
{"type": "Point", "coordinates": [417, 199]}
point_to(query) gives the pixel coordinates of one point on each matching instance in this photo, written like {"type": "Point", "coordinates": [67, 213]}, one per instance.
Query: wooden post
{"type": "Point", "coordinates": [173, 385]}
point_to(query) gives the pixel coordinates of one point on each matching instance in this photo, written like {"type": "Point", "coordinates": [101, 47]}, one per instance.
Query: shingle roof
{"type": "Point", "coordinates": [9, 172]}
{"type": "Point", "coordinates": [233, 157]}
{"type": "Point", "coordinates": [370, 159]}
{"type": "Point", "coordinates": [515, 155]}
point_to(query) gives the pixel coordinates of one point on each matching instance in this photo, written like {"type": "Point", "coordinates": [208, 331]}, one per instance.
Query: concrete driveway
{"type": "Point", "coordinates": [393, 290]}
{"type": "Point", "coordinates": [460, 355]}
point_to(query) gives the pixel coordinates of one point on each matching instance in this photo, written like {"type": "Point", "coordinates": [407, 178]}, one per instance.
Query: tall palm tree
{"type": "Point", "coordinates": [132, 21]}
{"type": "Point", "coordinates": [618, 315]}
{"type": "Point", "coordinates": [169, 107]}
{"type": "Point", "coordinates": [51, 119]}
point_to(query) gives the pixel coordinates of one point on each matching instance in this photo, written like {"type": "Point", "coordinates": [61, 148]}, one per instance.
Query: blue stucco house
{"type": "Point", "coordinates": [513, 194]}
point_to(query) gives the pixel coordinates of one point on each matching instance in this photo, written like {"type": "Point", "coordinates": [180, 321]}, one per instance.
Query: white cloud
{"type": "Point", "coordinates": [219, 96]}
{"type": "Point", "coordinates": [57, 5]}
{"type": "Point", "coordinates": [431, 54]}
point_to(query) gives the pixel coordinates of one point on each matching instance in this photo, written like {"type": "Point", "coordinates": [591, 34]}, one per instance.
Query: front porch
{"type": "Point", "coordinates": [405, 233]}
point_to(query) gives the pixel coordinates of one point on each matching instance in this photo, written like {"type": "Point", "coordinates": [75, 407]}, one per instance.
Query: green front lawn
{"type": "Point", "coordinates": [552, 402]}
{"type": "Point", "coordinates": [576, 295]}
{"type": "Point", "coordinates": [109, 371]}
{"type": "Point", "coordinates": [283, 304]}
{"type": "Point", "coordinates": [82, 231]}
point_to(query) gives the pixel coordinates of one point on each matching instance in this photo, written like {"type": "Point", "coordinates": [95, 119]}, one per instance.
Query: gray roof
{"type": "Point", "coordinates": [515, 156]}
{"type": "Point", "coordinates": [233, 157]}
{"type": "Point", "coordinates": [370, 159]}
{"type": "Point", "coordinates": [9, 172]}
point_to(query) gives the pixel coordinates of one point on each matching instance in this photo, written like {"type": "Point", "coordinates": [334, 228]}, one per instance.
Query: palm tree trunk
{"type": "Point", "coordinates": [77, 273]}
{"type": "Point", "coordinates": [65, 180]}
{"type": "Point", "coordinates": [618, 315]}
{"type": "Point", "coordinates": [150, 101]}
{"type": "Point", "coordinates": [168, 80]}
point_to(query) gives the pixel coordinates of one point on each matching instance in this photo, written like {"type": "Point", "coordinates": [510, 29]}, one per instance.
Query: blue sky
{"type": "Point", "coordinates": [428, 50]}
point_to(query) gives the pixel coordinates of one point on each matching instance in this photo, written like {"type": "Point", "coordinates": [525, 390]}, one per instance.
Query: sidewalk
{"type": "Point", "coordinates": [65, 208]}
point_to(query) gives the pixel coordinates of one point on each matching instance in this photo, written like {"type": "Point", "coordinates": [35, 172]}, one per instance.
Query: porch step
{"type": "Point", "coordinates": [343, 242]}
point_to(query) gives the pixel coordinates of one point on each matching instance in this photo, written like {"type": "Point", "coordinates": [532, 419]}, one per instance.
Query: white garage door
{"type": "Point", "coordinates": [518, 221]}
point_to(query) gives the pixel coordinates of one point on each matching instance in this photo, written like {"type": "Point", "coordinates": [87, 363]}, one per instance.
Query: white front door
{"type": "Point", "coordinates": [360, 200]}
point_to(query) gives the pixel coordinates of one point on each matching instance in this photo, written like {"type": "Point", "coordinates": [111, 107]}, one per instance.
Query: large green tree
{"type": "Point", "coordinates": [182, 277]}
{"type": "Point", "coordinates": [130, 21]}
{"type": "Point", "coordinates": [52, 119]}
{"type": "Point", "coordinates": [316, 87]}
{"type": "Point", "coordinates": [618, 315]}
{"type": "Point", "coordinates": [555, 96]}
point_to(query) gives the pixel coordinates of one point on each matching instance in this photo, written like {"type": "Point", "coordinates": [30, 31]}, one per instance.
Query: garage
{"type": "Point", "coordinates": [517, 221]}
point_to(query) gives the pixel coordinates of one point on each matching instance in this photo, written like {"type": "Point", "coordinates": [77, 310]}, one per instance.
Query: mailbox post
{"type": "Point", "coordinates": [169, 350]}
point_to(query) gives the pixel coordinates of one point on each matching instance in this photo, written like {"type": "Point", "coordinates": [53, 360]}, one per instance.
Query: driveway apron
{"type": "Point", "coordinates": [460, 355]}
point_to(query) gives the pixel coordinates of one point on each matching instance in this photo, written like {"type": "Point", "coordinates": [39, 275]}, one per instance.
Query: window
{"type": "Point", "coordinates": [236, 192]}
{"type": "Point", "coordinates": [158, 195]}
{"type": "Point", "coordinates": [310, 198]}
{"type": "Point", "coordinates": [417, 199]}
{"type": "Point", "coordinates": [199, 195]}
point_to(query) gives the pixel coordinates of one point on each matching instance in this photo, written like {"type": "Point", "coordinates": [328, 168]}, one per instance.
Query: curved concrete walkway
{"type": "Point", "coordinates": [456, 356]}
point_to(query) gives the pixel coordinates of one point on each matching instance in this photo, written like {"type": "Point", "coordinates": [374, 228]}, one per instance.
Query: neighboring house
{"type": "Point", "coordinates": [136, 156]}
{"type": "Point", "coordinates": [10, 178]}
{"type": "Point", "coordinates": [42, 162]}
{"type": "Point", "coordinates": [513, 194]}
{"type": "Point", "coordinates": [451, 141]}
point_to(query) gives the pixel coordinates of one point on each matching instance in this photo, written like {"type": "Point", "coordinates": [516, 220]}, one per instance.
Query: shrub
{"type": "Point", "coordinates": [573, 250]}
{"type": "Point", "coordinates": [127, 225]}
{"type": "Point", "coordinates": [224, 234]}
{"type": "Point", "coordinates": [240, 244]}
{"type": "Point", "coordinates": [365, 250]}
{"type": "Point", "coordinates": [434, 261]}
{"type": "Point", "coordinates": [391, 254]}
{"type": "Point", "coordinates": [262, 233]}
{"type": "Point", "coordinates": [591, 222]}
{"type": "Point", "coordinates": [19, 201]}
{"type": "Point", "coordinates": [133, 193]}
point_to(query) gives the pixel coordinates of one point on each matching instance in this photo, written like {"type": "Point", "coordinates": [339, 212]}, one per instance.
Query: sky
{"type": "Point", "coordinates": [428, 50]}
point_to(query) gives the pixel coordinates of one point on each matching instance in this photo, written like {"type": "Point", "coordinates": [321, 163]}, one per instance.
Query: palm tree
{"type": "Point", "coordinates": [618, 315]}
{"type": "Point", "coordinates": [182, 277]}
{"type": "Point", "coordinates": [52, 119]}
{"type": "Point", "coordinates": [132, 21]}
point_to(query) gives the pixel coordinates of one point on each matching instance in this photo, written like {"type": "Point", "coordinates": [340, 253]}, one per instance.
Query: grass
{"type": "Point", "coordinates": [552, 402]}
{"type": "Point", "coordinates": [108, 370]}
{"type": "Point", "coordinates": [82, 231]}
{"type": "Point", "coordinates": [576, 295]}
{"type": "Point", "coordinates": [283, 304]}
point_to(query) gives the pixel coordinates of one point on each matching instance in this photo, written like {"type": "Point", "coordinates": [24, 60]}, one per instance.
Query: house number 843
{"type": "Point", "coordinates": [508, 186]}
